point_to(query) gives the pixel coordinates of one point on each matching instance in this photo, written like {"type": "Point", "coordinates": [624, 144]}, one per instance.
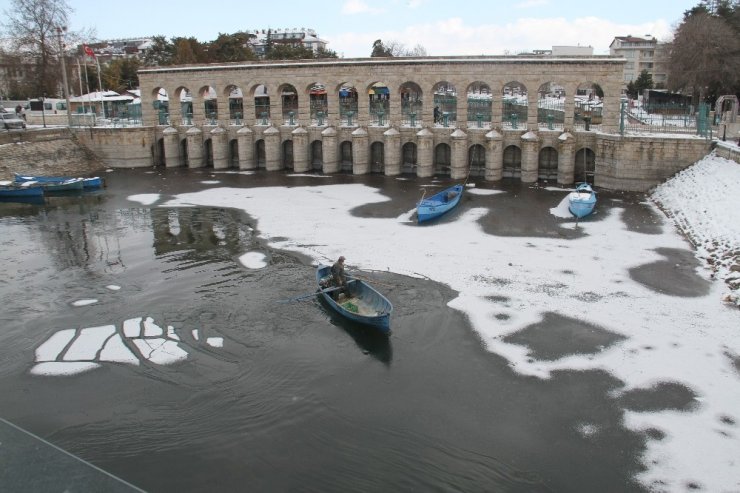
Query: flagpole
{"type": "Point", "coordinates": [79, 77]}
{"type": "Point", "coordinates": [100, 85]}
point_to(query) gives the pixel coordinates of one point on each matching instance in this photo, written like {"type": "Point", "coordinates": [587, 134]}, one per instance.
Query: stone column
{"type": "Point", "coordinates": [394, 110]}
{"type": "Point", "coordinates": [272, 149]}
{"type": "Point", "coordinates": [220, 148]}
{"type": "Point", "coordinates": [199, 110]}
{"type": "Point", "coordinates": [276, 108]}
{"type": "Point", "coordinates": [566, 159]}
{"type": "Point", "coordinates": [149, 115]}
{"type": "Point", "coordinates": [569, 108]}
{"type": "Point", "coordinates": [332, 108]}
{"type": "Point", "coordinates": [171, 147]}
{"type": "Point", "coordinates": [392, 152]}
{"type": "Point", "coordinates": [304, 109]}
{"type": "Point", "coordinates": [222, 110]}
{"type": "Point", "coordinates": [459, 155]}
{"type": "Point", "coordinates": [363, 108]}
{"type": "Point", "coordinates": [494, 156]}
{"type": "Point", "coordinates": [424, 153]}
{"type": "Point", "coordinates": [329, 150]}
{"type": "Point", "coordinates": [174, 108]}
{"type": "Point", "coordinates": [245, 140]}
{"type": "Point", "coordinates": [195, 147]}
{"type": "Point", "coordinates": [532, 107]}
{"type": "Point", "coordinates": [530, 157]}
{"type": "Point", "coordinates": [462, 110]}
{"type": "Point", "coordinates": [360, 152]}
{"type": "Point", "coordinates": [248, 108]}
{"type": "Point", "coordinates": [300, 150]}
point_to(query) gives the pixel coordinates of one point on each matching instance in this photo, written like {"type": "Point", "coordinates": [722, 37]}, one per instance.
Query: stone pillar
{"type": "Point", "coordinates": [199, 110]}
{"type": "Point", "coordinates": [300, 150]}
{"type": "Point", "coordinates": [494, 156]}
{"type": "Point", "coordinates": [363, 108]}
{"type": "Point", "coordinates": [171, 147]}
{"type": "Point", "coordinates": [424, 153]}
{"type": "Point", "coordinates": [566, 159]}
{"type": "Point", "coordinates": [497, 109]}
{"type": "Point", "coordinates": [329, 150]}
{"type": "Point", "coordinates": [394, 110]}
{"type": "Point", "coordinates": [195, 147]}
{"type": "Point", "coordinates": [532, 107]}
{"type": "Point", "coordinates": [245, 140]}
{"type": "Point", "coordinates": [272, 149]}
{"type": "Point", "coordinates": [248, 108]}
{"type": "Point", "coordinates": [276, 108]}
{"type": "Point", "coordinates": [174, 108]}
{"type": "Point", "coordinates": [304, 109]}
{"type": "Point", "coordinates": [149, 115]}
{"type": "Point", "coordinates": [530, 155]}
{"type": "Point", "coordinates": [332, 108]}
{"type": "Point", "coordinates": [392, 152]}
{"type": "Point", "coordinates": [459, 155]}
{"type": "Point", "coordinates": [462, 110]}
{"type": "Point", "coordinates": [222, 110]}
{"type": "Point", "coordinates": [220, 148]}
{"type": "Point", "coordinates": [360, 152]}
{"type": "Point", "coordinates": [569, 108]}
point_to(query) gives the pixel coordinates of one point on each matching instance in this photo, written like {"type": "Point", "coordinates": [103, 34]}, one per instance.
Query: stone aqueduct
{"type": "Point", "coordinates": [264, 135]}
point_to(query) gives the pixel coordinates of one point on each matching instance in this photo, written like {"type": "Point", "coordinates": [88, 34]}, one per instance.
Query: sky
{"type": "Point", "coordinates": [473, 27]}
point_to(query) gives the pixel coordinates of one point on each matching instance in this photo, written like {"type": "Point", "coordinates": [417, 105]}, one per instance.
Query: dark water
{"type": "Point", "coordinates": [295, 399]}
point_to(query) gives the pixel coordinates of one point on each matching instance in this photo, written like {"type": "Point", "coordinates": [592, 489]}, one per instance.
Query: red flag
{"type": "Point", "coordinates": [88, 51]}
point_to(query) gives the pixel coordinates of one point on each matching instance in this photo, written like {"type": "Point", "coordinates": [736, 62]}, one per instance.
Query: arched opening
{"type": "Point", "coordinates": [289, 104]}
{"type": "Point", "coordinates": [585, 166]}
{"type": "Point", "coordinates": [377, 157]}
{"type": "Point", "coordinates": [208, 152]}
{"type": "Point", "coordinates": [236, 105]}
{"type": "Point", "coordinates": [184, 152]}
{"type": "Point", "coordinates": [259, 152]}
{"type": "Point", "coordinates": [161, 105]}
{"type": "Point", "coordinates": [512, 162]}
{"type": "Point", "coordinates": [408, 161]}
{"type": "Point", "coordinates": [589, 105]}
{"type": "Point", "coordinates": [480, 105]}
{"type": "Point", "coordinates": [317, 155]}
{"type": "Point", "coordinates": [345, 155]}
{"type": "Point", "coordinates": [234, 153]}
{"type": "Point", "coordinates": [477, 160]}
{"type": "Point", "coordinates": [210, 104]}
{"type": "Point", "coordinates": [442, 159]}
{"type": "Point", "coordinates": [412, 105]}
{"type": "Point", "coordinates": [159, 157]}
{"type": "Point", "coordinates": [318, 104]}
{"type": "Point", "coordinates": [515, 104]}
{"type": "Point", "coordinates": [551, 106]}
{"type": "Point", "coordinates": [348, 104]}
{"type": "Point", "coordinates": [261, 105]}
{"type": "Point", "coordinates": [379, 99]}
{"type": "Point", "coordinates": [547, 168]}
{"type": "Point", "coordinates": [445, 104]}
{"type": "Point", "coordinates": [288, 154]}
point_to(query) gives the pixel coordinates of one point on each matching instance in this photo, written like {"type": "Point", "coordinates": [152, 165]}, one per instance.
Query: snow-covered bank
{"type": "Point", "coordinates": [704, 202]}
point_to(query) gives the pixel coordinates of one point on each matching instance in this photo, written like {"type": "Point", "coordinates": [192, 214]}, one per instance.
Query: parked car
{"type": "Point", "coordinates": [12, 121]}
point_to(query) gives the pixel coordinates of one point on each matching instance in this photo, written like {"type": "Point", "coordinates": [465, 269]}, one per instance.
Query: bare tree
{"type": "Point", "coordinates": [396, 48]}
{"type": "Point", "coordinates": [705, 57]}
{"type": "Point", "coordinates": [33, 27]}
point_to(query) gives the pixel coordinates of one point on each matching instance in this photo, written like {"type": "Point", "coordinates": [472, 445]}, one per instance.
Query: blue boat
{"type": "Point", "coordinates": [9, 189]}
{"type": "Point", "coordinates": [582, 200]}
{"type": "Point", "coordinates": [92, 182]}
{"type": "Point", "coordinates": [362, 303]}
{"type": "Point", "coordinates": [439, 203]}
{"type": "Point", "coordinates": [71, 185]}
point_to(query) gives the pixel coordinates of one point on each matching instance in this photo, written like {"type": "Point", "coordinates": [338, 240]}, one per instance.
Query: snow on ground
{"type": "Point", "coordinates": [704, 202]}
{"type": "Point", "coordinates": [506, 284]}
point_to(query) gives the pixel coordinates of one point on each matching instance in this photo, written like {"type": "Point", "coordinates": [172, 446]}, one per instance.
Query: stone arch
{"type": "Point", "coordinates": [183, 100]}
{"type": "Point", "coordinates": [260, 155]}
{"type": "Point", "coordinates": [236, 103]}
{"type": "Point", "coordinates": [345, 155]}
{"type": "Point", "coordinates": [588, 106]}
{"type": "Point", "coordinates": [318, 103]}
{"type": "Point", "coordinates": [208, 153]}
{"type": "Point", "coordinates": [316, 158]}
{"type": "Point", "coordinates": [551, 106]}
{"type": "Point", "coordinates": [377, 157]}
{"type": "Point", "coordinates": [477, 160]}
{"type": "Point", "coordinates": [584, 167]}
{"type": "Point", "coordinates": [408, 157]}
{"type": "Point", "coordinates": [480, 104]}
{"type": "Point", "coordinates": [412, 104]}
{"type": "Point", "coordinates": [209, 97]}
{"type": "Point", "coordinates": [547, 164]}
{"type": "Point", "coordinates": [515, 103]}
{"type": "Point", "coordinates": [261, 103]}
{"type": "Point", "coordinates": [445, 100]}
{"type": "Point", "coordinates": [379, 98]}
{"type": "Point", "coordinates": [234, 153]}
{"type": "Point", "coordinates": [442, 159]}
{"type": "Point", "coordinates": [184, 152]}
{"type": "Point", "coordinates": [287, 154]}
{"type": "Point", "coordinates": [161, 104]}
{"type": "Point", "coordinates": [512, 162]}
{"type": "Point", "coordinates": [348, 104]}
{"type": "Point", "coordinates": [288, 103]}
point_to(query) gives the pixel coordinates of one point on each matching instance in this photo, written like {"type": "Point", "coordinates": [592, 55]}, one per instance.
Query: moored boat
{"type": "Point", "coordinates": [10, 189]}
{"type": "Point", "coordinates": [71, 185]}
{"type": "Point", "coordinates": [362, 303]}
{"type": "Point", "coordinates": [90, 182]}
{"type": "Point", "coordinates": [582, 200]}
{"type": "Point", "coordinates": [439, 203]}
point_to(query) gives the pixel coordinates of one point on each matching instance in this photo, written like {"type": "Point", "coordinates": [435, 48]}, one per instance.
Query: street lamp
{"type": "Point", "coordinates": [64, 70]}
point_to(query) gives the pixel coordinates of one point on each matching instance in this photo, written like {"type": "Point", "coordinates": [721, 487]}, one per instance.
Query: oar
{"type": "Point", "coordinates": [309, 295]}
{"type": "Point", "coordinates": [371, 281]}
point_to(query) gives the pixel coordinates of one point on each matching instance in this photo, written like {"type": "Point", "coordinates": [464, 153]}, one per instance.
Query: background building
{"type": "Point", "coordinates": [641, 54]}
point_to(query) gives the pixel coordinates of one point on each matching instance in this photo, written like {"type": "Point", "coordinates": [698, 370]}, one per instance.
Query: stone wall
{"type": "Point", "coordinates": [728, 150]}
{"type": "Point", "coordinates": [131, 147]}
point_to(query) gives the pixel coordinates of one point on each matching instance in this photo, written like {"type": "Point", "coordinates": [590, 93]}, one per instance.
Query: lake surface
{"type": "Point", "coordinates": [197, 379]}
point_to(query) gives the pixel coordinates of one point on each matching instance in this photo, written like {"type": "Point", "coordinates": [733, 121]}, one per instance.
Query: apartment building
{"type": "Point", "coordinates": [641, 53]}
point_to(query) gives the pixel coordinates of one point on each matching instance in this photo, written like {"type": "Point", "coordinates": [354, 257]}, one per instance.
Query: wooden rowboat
{"type": "Point", "coordinates": [91, 182]}
{"type": "Point", "coordinates": [439, 203]}
{"type": "Point", "coordinates": [10, 189]}
{"type": "Point", "coordinates": [362, 304]}
{"type": "Point", "coordinates": [581, 202]}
